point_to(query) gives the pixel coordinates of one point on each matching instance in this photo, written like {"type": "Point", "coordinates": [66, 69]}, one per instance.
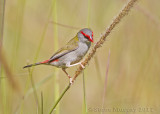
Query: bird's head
{"type": "Point", "coordinates": [85, 35]}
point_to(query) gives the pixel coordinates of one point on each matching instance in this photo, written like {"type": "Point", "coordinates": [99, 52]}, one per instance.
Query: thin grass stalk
{"type": "Point", "coordinates": [2, 82]}
{"type": "Point", "coordinates": [56, 71]}
{"type": "Point", "coordinates": [7, 71]}
{"type": "Point", "coordinates": [96, 58]}
{"type": "Point", "coordinates": [84, 106]}
{"type": "Point", "coordinates": [65, 26]}
{"type": "Point", "coordinates": [42, 37]}
{"type": "Point", "coordinates": [84, 96]}
{"type": "Point", "coordinates": [41, 102]}
{"type": "Point", "coordinates": [99, 44]}
{"type": "Point", "coordinates": [9, 74]}
{"type": "Point", "coordinates": [18, 31]}
{"type": "Point", "coordinates": [3, 62]}
{"type": "Point", "coordinates": [4, 92]}
{"type": "Point", "coordinates": [2, 12]}
{"type": "Point", "coordinates": [105, 84]}
{"type": "Point", "coordinates": [61, 96]}
{"type": "Point", "coordinates": [37, 86]}
{"type": "Point", "coordinates": [34, 90]}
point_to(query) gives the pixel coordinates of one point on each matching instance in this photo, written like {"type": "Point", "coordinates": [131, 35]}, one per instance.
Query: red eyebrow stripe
{"type": "Point", "coordinates": [85, 35]}
{"type": "Point", "coordinates": [91, 39]}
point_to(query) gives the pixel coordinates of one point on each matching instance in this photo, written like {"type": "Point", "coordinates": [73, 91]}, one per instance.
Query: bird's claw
{"type": "Point", "coordinates": [82, 65]}
{"type": "Point", "coordinates": [70, 81]}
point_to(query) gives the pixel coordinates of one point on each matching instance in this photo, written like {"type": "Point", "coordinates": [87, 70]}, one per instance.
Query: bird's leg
{"type": "Point", "coordinates": [69, 65]}
{"type": "Point", "coordinates": [70, 79]}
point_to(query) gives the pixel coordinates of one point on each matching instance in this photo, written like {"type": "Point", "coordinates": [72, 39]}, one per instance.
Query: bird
{"type": "Point", "coordinates": [72, 53]}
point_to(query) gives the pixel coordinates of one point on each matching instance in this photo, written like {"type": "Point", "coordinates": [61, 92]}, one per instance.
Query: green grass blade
{"type": "Point", "coordinates": [37, 85]}
{"type": "Point", "coordinates": [34, 90]}
{"type": "Point", "coordinates": [30, 91]}
{"type": "Point", "coordinates": [60, 97]}
{"type": "Point", "coordinates": [56, 71]}
{"type": "Point", "coordinates": [3, 93]}
{"type": "Point", "coordinates": [2, 82]}
{"type": "Point", "coordinates": [18, 30]}
{"type": "Point", "coordinates": [41, 102]}
{"type": "Point", "coordinates": [2, 12]}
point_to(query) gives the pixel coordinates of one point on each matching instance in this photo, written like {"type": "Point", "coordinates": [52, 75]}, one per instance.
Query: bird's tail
{"type": "Point", "coordinates": [35, 64]}
{"type": "Point", "coordinates": [32, 65]}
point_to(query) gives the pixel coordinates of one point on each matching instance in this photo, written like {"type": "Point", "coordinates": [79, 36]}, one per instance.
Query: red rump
{"type": "Point", "coordinates": [46, 61]}
{"type": "Point", "coordinates": [55, 60]}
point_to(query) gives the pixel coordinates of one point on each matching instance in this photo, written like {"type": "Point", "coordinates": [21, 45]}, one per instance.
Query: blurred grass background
{"type": "Point", "coordinates": [133, 77]}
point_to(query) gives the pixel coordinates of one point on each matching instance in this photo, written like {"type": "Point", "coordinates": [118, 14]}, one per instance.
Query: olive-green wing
{"type": "Point", "coordinates": [69, 47]}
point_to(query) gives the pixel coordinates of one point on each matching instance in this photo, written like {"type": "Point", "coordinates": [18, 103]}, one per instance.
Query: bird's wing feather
{"type": "Point", "coordinates": [69, 47]}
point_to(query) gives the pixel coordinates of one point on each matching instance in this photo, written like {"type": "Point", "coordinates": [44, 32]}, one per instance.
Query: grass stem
{"type": "Point", "coordinates": [84, 96]}
{"type": "Point", "coordinates": [61, 96]}
{"type": "Point", "coordinates": [34, 90]}
{"type": "Point", "coordinates": [41, 102]}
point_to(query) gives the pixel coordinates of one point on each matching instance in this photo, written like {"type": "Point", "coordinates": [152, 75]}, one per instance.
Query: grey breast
{"type": "Point", "coordinates": [74, 56]}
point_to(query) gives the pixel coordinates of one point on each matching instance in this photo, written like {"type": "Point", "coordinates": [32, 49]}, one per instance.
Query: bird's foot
{"type": "Point", "coordinates": [82, 66]}
{"type": "Point", "coordinates": [70, 81]}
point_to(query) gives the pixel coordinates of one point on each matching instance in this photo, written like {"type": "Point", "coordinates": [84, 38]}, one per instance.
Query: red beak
{"type": "Point", "coordinates": [91, 39]}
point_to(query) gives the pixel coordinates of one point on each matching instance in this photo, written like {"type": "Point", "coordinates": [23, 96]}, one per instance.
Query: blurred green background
{"type": "Point", "coordinates": [31, 34]}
